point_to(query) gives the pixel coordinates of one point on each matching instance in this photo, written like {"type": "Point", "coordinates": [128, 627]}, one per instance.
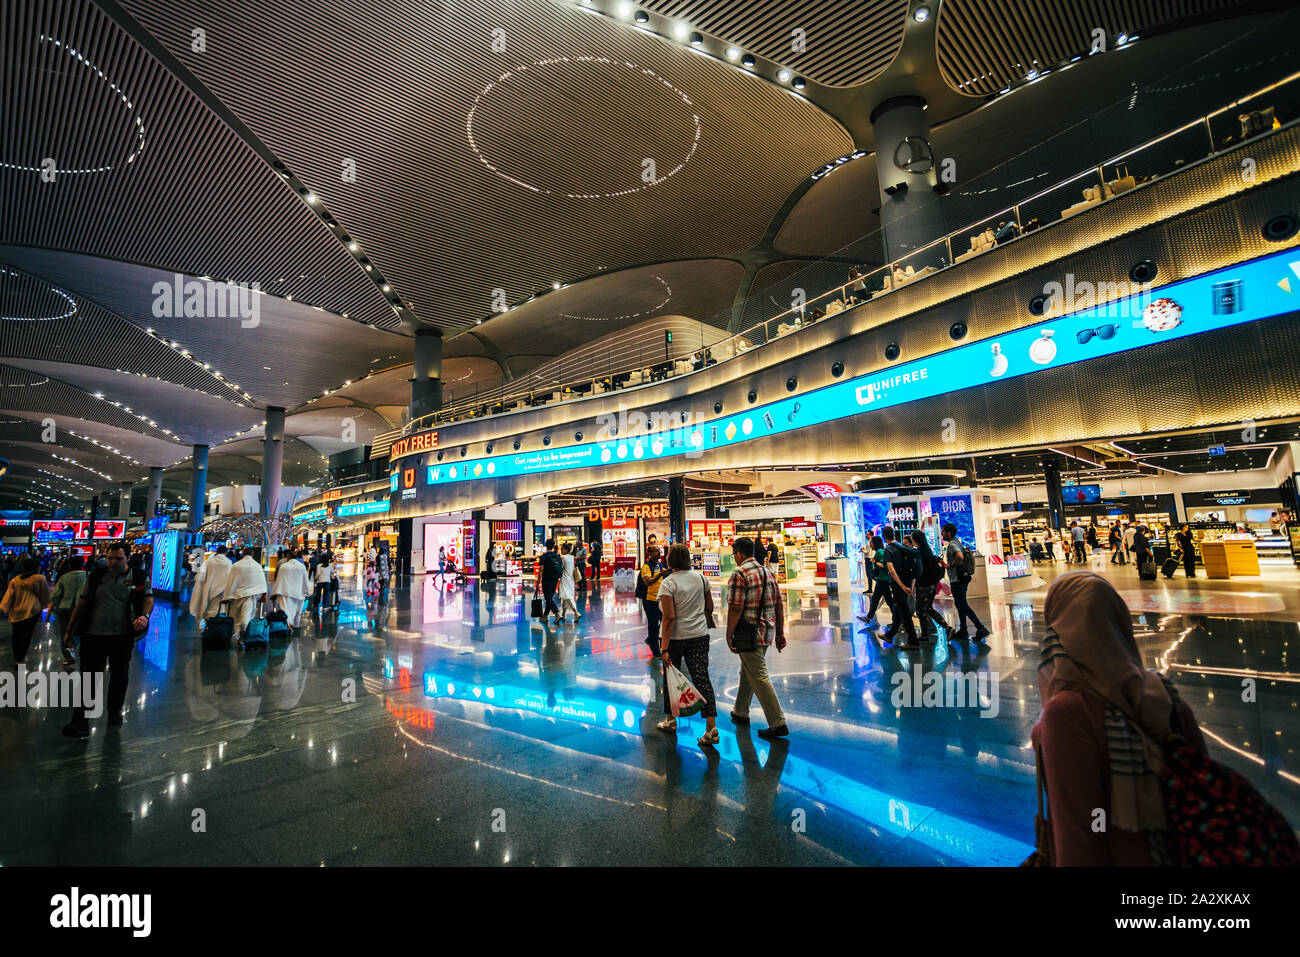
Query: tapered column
{"type": "Point", "coordinates": [426, 386]}
{"type": "Point", "coordinates": [155, 493]}
{"type": "Point", "coordinates": [198, 487]}
{"type": "Point", "coordinates": [273, 461]}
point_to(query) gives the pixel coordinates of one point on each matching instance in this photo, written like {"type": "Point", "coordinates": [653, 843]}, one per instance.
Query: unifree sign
{"type": "Point", "coordinates": [1266, 287]}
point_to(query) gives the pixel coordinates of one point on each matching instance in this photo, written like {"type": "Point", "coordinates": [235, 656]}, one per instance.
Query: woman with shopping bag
{"type": "Point", "coordinates": [687, 605]}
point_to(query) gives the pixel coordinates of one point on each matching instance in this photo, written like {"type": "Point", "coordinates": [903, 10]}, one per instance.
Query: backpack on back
{"type": "Point", "coordinates": [906, 562]}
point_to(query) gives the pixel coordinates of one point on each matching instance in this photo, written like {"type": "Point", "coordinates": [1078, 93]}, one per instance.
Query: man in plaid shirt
{"type": "Point", "coordinates": [753, 594]}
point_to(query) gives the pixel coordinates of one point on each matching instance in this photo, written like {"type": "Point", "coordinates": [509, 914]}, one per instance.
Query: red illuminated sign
{"type": "Point", "coordinates": [420, 442]}
{"type": "Point", "coordinates": [408, 478]}
{"type": "Point", "coordinates": [110, 529]}
{"type": "Point", "coordinates": [823, 490]}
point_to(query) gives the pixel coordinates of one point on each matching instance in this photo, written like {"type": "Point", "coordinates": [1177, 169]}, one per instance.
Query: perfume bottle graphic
{"type": "Point", "coordinates": [1043, 349]}
{"type": "Point", "coordinates": [999, 361]}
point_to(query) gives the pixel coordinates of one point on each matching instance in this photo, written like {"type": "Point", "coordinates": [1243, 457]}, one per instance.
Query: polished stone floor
{"type": "Point", "coordinates": [456, 731]}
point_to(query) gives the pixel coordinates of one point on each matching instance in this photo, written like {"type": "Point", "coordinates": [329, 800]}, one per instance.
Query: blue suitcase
{"type": "Point", "coordinates": [258, 633]}
{"type": "Point", "coordinates": [277, 624]}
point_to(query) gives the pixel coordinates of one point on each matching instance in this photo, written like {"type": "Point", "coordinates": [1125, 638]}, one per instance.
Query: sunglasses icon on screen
{"type": "Point", "coordinates": [1101, 332]}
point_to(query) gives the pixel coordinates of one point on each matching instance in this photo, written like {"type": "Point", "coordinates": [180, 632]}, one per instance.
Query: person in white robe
{"type": "Point", "coordinates": [291, 588]}
{"type": "Point", "coordinates": [247, 584]}
{"type": "Point", "coordinates": [210, 585]}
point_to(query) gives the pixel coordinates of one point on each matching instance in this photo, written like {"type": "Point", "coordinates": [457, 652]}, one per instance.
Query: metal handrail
{"type": "Point", "coordinates": [743, 341]}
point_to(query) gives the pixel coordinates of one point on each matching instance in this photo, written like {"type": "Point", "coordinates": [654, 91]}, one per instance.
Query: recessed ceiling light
{"type": "Point", "coordinates": [310, 198]}
{"type": "Point", "coordinates": [921, 14]}
{"type": "Point", "coordinates": [748, 60]}
{"type": "Point", "coordinates": [733, 53]}
{"type": "Point", "coordinates": [784, 76]}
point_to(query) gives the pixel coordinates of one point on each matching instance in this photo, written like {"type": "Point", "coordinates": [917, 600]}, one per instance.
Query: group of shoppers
{"type": "Point", "coordinates": [680, 635]}
{"type": "Point", "coordinates": [905, 574]}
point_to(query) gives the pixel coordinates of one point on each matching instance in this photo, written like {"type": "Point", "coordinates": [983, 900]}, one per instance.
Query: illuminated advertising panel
{"type": "Point", "coordinates": [362, 508]}
{"type": "Point", "coordinates": [110, 529]}
{"type": "Point", "coordinates": [59, 531]}
{"type": "Point", "coordinates": [956, 509]}
{"type": "Point", "coordinates": [165, 547]}
{"type": "Point", "coordinates": [1266, 287]}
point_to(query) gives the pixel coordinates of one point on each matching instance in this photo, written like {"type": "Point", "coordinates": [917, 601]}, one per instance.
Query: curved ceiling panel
{"type": "Point", "coordinates": [986, 45]}
{"type": "Point", "coordinates": [835, 212]}
{"type": "Point", "coordinates": [566, 319]}
{"type": "Point", "coordinates": [846, 42]}
{"type": "Point", "coordinates": [103, 151]}
{"type": "Point", "coordinates": [308, 350]}
{"type": "Point", "coordinates": [483, 175]}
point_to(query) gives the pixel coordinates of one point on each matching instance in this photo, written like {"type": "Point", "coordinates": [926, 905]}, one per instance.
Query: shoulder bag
{"type": "Point", "coordinates": [745, 636]}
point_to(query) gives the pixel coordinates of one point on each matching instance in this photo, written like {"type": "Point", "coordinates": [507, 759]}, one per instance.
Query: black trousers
{"type": "Point", "coordinates": [595, 571]}
{"type": "Point", "coordinates": [902, 615]}
{"type": "Point", "coordinates": [22, 637]}
{"type": "Point", "coordinates": [964, 610]}
{"type": "Point", "coordinates": [115, 652]}
{"type": "Point", "coordinates": [696, 653]}
{"type": "Point", "coordinates": [1189, 563]}
{"type": "Point", "coordinates": [1079, 553]}
{"type": "Point", "coordinates": [879, 593]}
{"type": "Point", "coordinates": [548, 592]}
{"type": "Point", "coordinates": [654, 616]}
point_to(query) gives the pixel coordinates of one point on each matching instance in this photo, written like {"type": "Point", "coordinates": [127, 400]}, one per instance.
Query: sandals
{"type": "Point", "coordinates": [707, 738]}
{"type": "Point", "coordinates": [668, 725]}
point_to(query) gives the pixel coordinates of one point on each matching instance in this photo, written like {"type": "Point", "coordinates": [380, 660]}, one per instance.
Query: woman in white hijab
{"type": "Point", "coordinates": [210, 585]}
{"type": "Point", "coordinates": [291, 589]}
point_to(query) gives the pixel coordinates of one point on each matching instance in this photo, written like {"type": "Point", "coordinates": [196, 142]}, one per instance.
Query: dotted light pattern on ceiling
{"type": "Point", "coordinates": [469, 126]}
{"type": "Point", "coordinates": [139, 124]}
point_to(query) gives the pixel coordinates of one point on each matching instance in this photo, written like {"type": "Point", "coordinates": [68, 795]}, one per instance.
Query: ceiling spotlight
{"type": "Point", "coordinates": [748, 60]}
{"type": "Point", "coordinates": [1031, 74]}
{"type": "Point", "coordinates": [353, 246]}
{"type": "Point", "coordinates": [642, 17]}
{"type": "Point", "coordinates": [311, 198]}
{"type": "Point", "coordinates": [625, 9]}
{"type": "Point", "coordinates": [681, 31]}
{"type": "Point", "coordinates": [921, 14]}
{"type": "Point", "coordinates": [555, 285]}
{"type": "Point", "coordinates": [733, 53]}
{"type": "Point", "coordinates": [799, 83]}
{"type": "Point", "coordinates": [1123, 39]}
{"type": "Point", "coordinates": [784, 76]}
{"type": "Point", "coordinates": [697, 39]}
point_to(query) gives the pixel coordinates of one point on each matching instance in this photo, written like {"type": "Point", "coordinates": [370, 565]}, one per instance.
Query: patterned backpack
{"type": "Point", "coordinates": [1216, 817]}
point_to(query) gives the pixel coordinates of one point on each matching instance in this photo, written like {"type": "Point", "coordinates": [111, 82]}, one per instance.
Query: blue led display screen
{"type": "Point", "coordinates": [1263, 288]}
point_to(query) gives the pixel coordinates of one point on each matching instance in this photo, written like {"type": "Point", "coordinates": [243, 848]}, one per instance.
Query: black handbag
{"type": "Point", "coordinates": [538, 609]}
{"type": "Point", "coordinates": [744, 637]}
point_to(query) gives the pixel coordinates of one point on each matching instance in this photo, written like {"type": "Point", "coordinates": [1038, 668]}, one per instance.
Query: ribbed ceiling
{"type": "Point", "coordinates": [563, 121]}
{"type": "Point", "coordinates": [847, 42]}
{"type": "Point", "coordinates": [986, 45]}
{"type": "Point", "coordinates": [151, 175]}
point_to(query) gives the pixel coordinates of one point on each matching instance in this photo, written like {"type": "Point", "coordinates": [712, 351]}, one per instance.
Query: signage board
{"type": "Point", "coordinates": [622, 513]}
{"type": "Point", "coordinates": [1217, 450]}
{"type": "Point", "coordinates": [411, 444]}
{"type": "Point", "coordinates": [110, 529]}
{"type": "Point", "coordinates": [1017, 566]}
{"type": "Point", "coordinates": [362, 508]}
{"type": "Point", "coordinates": [903, 483]}
{"type": "Point", "coordinates": [1184, 308]}
{"type": "Point", "coordinates": [59, 531]}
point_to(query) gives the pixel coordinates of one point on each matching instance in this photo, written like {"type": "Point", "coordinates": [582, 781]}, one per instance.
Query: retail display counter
{"type": "Point", "coordinates": [1227, 557]}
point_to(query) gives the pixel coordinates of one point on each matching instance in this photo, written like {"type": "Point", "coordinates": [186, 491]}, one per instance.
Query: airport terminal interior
{"type": "Point", "coordinates": [375, 377]}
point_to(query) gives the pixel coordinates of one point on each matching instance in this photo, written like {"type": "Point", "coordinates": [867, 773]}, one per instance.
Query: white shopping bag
{"type": "Point", "coordinates": [683, 699]}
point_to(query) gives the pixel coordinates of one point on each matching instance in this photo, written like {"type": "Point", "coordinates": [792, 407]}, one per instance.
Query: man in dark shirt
{"type": "Point", "coordinates": [552, 567]}
{"type": "Point", "coordinates": [596, 549]}
{"type": "Point", "coordinates": [108, 622]}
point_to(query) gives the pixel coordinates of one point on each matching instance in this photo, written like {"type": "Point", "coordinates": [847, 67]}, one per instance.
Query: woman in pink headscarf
{"type": "Point", "coordinates": [1099, 740]}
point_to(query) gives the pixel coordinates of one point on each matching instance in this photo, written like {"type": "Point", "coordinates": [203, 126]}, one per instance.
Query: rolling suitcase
{"type": "Point", "coordinates": [257, 634]}
{"type": "Point", "coordinates": [1147, 572]}
{"type": "Point", "coordinates": [277, 623]}
{"type": "Point", "coordinates": [1169, 567]}
{"type": "Point", "coordinates": [218, 632]}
